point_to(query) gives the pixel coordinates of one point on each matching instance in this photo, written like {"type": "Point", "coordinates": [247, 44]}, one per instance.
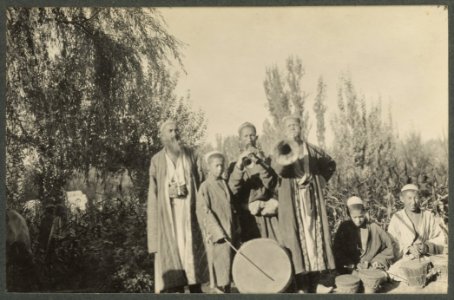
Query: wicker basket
{"type": "Point", "coordinates": [371, 279]}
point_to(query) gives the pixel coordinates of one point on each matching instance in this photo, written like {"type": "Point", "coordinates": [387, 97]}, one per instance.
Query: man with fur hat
{"type": "Point", "coordinates": [173, 231]}
{"type": "Point", "coordinates": [303, 223]}
{"type": "Point", "coordinates": [361, 244]}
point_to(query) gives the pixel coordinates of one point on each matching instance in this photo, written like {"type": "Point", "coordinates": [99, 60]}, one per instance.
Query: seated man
{"type": "Point", "coordinates": [414, 232]}
{"type": "Point", "coordinates": [360, 243]}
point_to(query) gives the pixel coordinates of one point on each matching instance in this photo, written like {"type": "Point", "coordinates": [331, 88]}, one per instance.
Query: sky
{"type": "Point", "coordinates": [396, 53]}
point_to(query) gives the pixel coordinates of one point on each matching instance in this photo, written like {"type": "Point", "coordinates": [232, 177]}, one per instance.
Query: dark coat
{"type": "Point", "coordinates": [347, 246]}
{"type": "Point", "coordinates": [248, 185]}
{"type": "Point", "coordinates": [321, 167]}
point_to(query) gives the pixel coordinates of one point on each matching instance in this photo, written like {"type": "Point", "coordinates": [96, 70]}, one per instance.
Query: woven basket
{"type": "Point", "coordinates": [371, 279]}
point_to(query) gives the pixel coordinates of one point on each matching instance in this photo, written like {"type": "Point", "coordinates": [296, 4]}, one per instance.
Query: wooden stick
{"type": "Point", "coordinates": [250, 261]}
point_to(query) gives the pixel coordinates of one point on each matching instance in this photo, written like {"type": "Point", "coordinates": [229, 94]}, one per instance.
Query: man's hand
{"type": "Point", "coordinates": [363, 265]}
{"type": "Point", "coordinates": [377, 265]}
{"type": "Point", "coordinates": [414, 250]}
{"type": "Point", "coordinates": [173, 190]}
{"type": "Point", "coordinates": [239, 162]}
{"type": "Point", "coordinates": [422, 248]}
{"type": "Point", "coordinates": [221, 240]}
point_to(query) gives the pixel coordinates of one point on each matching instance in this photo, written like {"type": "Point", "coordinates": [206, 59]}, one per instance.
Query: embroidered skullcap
{"type": "Point", "coordinates": [244, 125]}
{"type": "Point", "coordinates": [211, 154]}
{"type": "Point", "coordinates": [409, 187]}
{"type": "Point", "coordinates": [291, 117]}
{"type": "Point", "coordinates": [166, 123]}
{"type": "Point", "coordinates": [354, 201]}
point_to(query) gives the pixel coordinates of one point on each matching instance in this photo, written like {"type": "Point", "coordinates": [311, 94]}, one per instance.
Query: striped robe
{"type": "Point", "coordinates": [303, 222]}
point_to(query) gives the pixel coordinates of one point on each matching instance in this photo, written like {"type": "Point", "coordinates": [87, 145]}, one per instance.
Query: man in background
{"type": "Point", "coordinates": [252, 181]}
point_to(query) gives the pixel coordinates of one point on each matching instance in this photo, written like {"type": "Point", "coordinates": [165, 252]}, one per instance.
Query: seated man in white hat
{"type": "Point", "coordinates": [414, 231]}
{"type": "Point", "coordinates": [361, 244]}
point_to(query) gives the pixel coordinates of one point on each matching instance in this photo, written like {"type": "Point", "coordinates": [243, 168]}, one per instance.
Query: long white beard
{"type": "Point", "coordinates": [173, 146]}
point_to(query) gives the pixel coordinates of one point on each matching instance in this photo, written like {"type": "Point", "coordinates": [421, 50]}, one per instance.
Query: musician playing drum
{"type": "Point", "coordinates": [414, 232]}
{"type": "Point", "coordinates": [252, 182]}
{"type": "Point", "coordinates": [360, 243]}
{"type": "Point", "coordinates": [303, 224]}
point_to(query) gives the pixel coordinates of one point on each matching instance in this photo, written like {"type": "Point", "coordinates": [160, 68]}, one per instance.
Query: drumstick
{"type": "Point", "coordinates": [403, 279]}
{"type": "Point", "coordinates": [250, 261]}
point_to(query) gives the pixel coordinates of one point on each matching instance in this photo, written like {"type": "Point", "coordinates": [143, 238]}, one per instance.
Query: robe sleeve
{"type": "Point", "coordinates": [436, 236]}
{"type": "Point", "coordinates": [235, 180]}
{"type": "Point", "coordinates": [267, 175]}
{"type": "Point", "coordinates": [394, 233]}
{"type": "Point", "coordinates": [386, 256]}
{"type": "Point", "coordinates": [152, 211]}
{"type": "Point", "coordinates": [326, 165]}
{"type": "Point", "coordinates": [212, 228]}
{"type": "Point", "coordinates": [341, 255]}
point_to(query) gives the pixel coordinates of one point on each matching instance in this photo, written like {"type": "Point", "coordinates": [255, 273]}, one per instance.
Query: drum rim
{"type": "Point", "coordinates": [280, 247]}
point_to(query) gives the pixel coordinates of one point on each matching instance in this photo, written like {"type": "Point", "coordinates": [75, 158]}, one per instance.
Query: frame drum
{"type": "Point", "coordinates": [440, 264]}
{"type": "Point", "coordinates": [268, 271]}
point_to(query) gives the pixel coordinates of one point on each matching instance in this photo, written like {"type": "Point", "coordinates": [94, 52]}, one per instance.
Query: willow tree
{"type": "Point", "coordinates": [87, 88]}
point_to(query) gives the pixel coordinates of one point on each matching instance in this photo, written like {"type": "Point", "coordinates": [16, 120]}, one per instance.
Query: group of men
{"type": "Point", "coordinates": [191, 226]}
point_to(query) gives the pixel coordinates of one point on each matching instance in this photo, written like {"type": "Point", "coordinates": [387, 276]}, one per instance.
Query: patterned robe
{"type": "Point", "coordinates": [169, 269]}
{"type": "Point", "coordinates": [303, 223]}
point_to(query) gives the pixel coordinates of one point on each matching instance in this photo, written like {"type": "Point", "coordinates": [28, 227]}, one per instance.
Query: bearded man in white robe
{"type": "Point", "coordinates": [173, 231]}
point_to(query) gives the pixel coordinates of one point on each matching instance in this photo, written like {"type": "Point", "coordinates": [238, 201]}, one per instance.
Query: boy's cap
{"type": "Point", "coordinates": [409, 187]}
{"type": "Point", "coordinates": [354, 201]}
{"type": "Point", "coordinates": [244, 125]}
{"type": "Point", "coordinates": [212, 153]}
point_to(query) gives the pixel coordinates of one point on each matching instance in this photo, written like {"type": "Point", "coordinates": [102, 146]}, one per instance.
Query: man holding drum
{"type": "Point", "coordinates": [303, 224]}
{"type": "Point", "coordinates": [414, 232]}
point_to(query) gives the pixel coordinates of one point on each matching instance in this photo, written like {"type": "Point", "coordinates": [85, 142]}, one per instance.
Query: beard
{"type": "Point", "coordinates": [173, 145]}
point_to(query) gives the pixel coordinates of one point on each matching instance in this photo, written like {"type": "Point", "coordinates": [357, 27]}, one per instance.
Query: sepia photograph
{"type": "Point", "coordinates": [218, 150]}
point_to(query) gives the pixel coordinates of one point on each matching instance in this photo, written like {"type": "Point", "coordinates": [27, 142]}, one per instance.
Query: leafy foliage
{"type": "Point", "coordinates": [86, 91]}
{"type": "Point", "coordinates": [285, 95]}
{"type": "Point", "coordinates": [374, 164]}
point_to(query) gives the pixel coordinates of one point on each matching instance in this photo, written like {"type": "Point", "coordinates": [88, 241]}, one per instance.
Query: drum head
{"type": "Point", "coordinates": [271, 258]}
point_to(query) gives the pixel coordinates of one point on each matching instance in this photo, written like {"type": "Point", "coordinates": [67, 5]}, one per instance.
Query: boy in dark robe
{"type": "Point", "coordinates": [361, 244]}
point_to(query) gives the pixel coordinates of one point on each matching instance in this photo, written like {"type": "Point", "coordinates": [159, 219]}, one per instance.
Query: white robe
{"type": "Point", "coordinates": [179, 212]}
{"type": "Point", "coordinates": [403, 233]}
